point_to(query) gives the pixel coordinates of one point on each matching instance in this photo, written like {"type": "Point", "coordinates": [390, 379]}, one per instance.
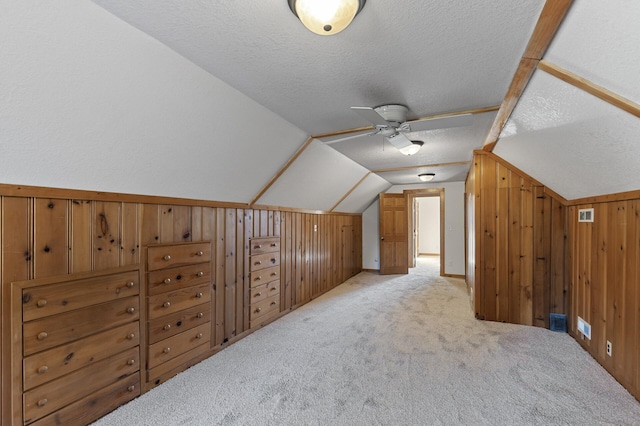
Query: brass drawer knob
{"type": "Point", "coordinates": [131, 362]}
{"type": "Point", "coordinates": [273, 274]}
{"type": "Point", "coordinates": [258, 246]}
{"type": "Point", "coordinates": [200, 315]}
{"type": "Point", "coordinates": [166, 304]}
{"type": "Point", "coordinates": [274, 244]}
{"type": "Point", "coordinates": [273, 303]}
{"type": "Point", "coordinates": [200, 274]}
{"type": "Point", "coordinates": [166, 350]}
{"type": "Point", "coordinates": [43, 369]}
{"type": "Point", "coordinates": [258, 310]}
{"type": "Point", "coordinates": [199, 253]}
{"type": "Point", "coordinates": [167, 281]}
{"type": "Point", "coordinates": [131, 388]}
{"type": "Point", "coordinates": [130, 284]}
{"type": "Point", "coordinates": [198, 295]}
{"type": "Point", "coordinates": [199, 336]}
{"type": "Point", "coordinates": [258, 294]}
{"type": "Point", "coordinates": [272, 289]}
{"type": "Point", "coordinates": [167, 327]}
{"type": "Point", "coordinates": [43, 335]}
{"type": "Point", "coordinates": [131, 310]}
{"type": "Point", "coordinates": [258, 278]}
{"type": "Point", "coordinates": [167, 257]}
{"type": "Point", "coordinates": [259, 262]}
{"type": "Point", "coordinates": [131, 336]}
{"type": "Point", "coordinates": [43, 402]}
{"type": "Point", "coordinates": [41, 303]}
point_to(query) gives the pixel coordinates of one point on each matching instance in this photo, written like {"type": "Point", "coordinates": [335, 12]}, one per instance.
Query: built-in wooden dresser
{"type": "Point", "coordinates": [76, 353]}
{"type": "Point", "coordinates": [265, 280]}
{"type": "Point", "coordinates": [178, 307]}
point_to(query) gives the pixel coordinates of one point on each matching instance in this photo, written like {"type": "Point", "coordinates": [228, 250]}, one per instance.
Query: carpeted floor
{"type": "Point", "coordinates": [390, 350]}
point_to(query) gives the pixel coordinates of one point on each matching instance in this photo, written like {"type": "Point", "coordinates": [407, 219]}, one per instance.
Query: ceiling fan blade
{"type": "Point", "coordinates": [399, 141]}
{"type": "Point", "coordinates": [346, 138]}
{"type": "Point", "coordinates": [371, 116]}
{"type": "Point", "coordinates": [440, 123]}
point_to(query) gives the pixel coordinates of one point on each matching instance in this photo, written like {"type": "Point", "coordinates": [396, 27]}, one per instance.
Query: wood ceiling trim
{"type": "Point", "coordinates": [428, 117]}
{"type": "Point", "coordinates": [281, 171]}
{"type": "Point", "coordinates": [590, 87]}
{"type": "Point", "coordinates": [399, 169]}
{"type": "Point", "coordinates": [548, 23]}
{"type": "Point", "coordinates": [350, 191]}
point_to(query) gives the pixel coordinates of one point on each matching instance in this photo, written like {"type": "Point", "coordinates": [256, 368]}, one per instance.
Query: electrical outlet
{"type": "Point", "coordinates": [609, 348]}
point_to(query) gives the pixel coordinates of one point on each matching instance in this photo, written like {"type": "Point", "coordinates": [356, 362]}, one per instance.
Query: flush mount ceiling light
{"type": "Point", "coordinates": [412, 149]}
{"type": "Point", "coordinates": [326, 17]}
{"type": "Point", "coordinates": [426, 177]}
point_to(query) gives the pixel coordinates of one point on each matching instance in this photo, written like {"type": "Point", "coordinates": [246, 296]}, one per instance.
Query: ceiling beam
{"type": "Point", "coordinates": [548, 23]}
{"type": "Point", "coordinates": [350, 191]}
{"type": "Point", "coordinates": [591, 88]}
{"type": "Point", "coordinates": [399, 169]}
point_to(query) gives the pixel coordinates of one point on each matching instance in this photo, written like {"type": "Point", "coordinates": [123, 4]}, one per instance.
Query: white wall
{"type": "Point", "coordinates": [453, 222]}
{"type": "Point", "coordinates": [428, 225]}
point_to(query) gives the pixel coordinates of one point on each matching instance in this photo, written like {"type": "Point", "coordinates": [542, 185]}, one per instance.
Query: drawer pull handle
{"type": "Point", "coordinates": [166, 304]}
{"type": "Point", "coordinates": [258, 294]}
{"type": "Point", "coordinates": [167, 327]}
{"type": "Point", "coordinates": [200, 274]}
{"type": "Point", "coordinates": [272, 289]}
{"type": "Point", "coordinates": [258, 246]}
{"type": "Point", "coordinates": [131, 336]}
{"type": "Point", "coordinates": [41, 303]}
{"type": "Point", "coordinates": [273, 260]}
{"type": "Point", "coordinates": [273, 274]}
{"type": "Point", "coordinates": [131, 310]}
{"type": "Point", "coordinates": [131, 362]}
{"type": "Point", "coordinates": [131, 388]}
{"type": "Point", "coordinates": [167, 257]}
{"type": "Point", "coordinates": [43, 335]}
{"type": "Point", "coordinates": [259, 262]}
{"type": "Point", "coordinates": [200, 315]}
{"type": "Point", "coordinates": [198, 295]}
{"type": "Point", "coordinates": [166, 350]}
{"type": "Point", "coordinates": [274, 245]}
{"type": "Point", "coordinates": [273, 303]}
{"type": "Point", "coordinates": [258, 278]}
{"type": "Point", "coordinates": [43, 402]}
{"type": "Point", "coordinates": [130, 284]}
{"type": "Point", "coordinates": [167, 281]}
{"type": "Point", "coordinates": [43, 369]}
{"type": "Point", "coordinates": [199, 253]}
{"type": "Point", "coordinates": [258, 310]}
{"type": "Point", "coordinates": [199, 336]}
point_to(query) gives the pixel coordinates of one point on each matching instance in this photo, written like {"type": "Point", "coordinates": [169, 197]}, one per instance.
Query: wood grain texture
{"type": "Point", "coordinates": [548, 23]}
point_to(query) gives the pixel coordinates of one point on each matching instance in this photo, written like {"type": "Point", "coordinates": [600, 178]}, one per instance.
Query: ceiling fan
{"type": "Point", "coordinates": [390, 122]}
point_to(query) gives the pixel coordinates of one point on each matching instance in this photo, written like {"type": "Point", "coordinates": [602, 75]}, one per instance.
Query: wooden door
{"type": "Point", "coordinates": [394, 238]}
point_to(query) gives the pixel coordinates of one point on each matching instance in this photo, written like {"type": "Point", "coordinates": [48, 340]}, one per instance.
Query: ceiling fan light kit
{"type": "Point", "coordinates": [426, 177]}
{"type": "Point", "coordinates": [411, 149]}
{"type": "Point", "coordinates": [326, 17]}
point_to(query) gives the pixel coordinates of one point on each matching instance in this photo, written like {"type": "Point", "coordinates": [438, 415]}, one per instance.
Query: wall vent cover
{"type": "Point", "coordinates": [558, 322]}
{"type": "Point", "coordinates": [585, 215]}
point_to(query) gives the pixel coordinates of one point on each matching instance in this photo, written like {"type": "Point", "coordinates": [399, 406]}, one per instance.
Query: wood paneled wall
{"type": "Point", "coordinates": [516, 245]}
{"type": "Point", "coordinates": [42, 237]}
{"type": "Point", "coordinates": [605, 286]}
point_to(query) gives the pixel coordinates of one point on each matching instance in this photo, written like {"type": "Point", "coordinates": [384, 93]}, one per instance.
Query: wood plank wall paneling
{"type": "Point", "coordinates": [511, 232]}
{"type": "Point", "coordinates": [605, 281]}
{"type": "Point", "coordinates": [42, 237]}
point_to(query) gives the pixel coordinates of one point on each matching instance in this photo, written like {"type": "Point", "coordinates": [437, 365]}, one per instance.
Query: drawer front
{"type": "Point", "coordinates": [38, 302]}
{"type": "Point", "coordinates": [171, 279]}
{"type": "Point", "coordinates": [177, 345]}
{"type": "Point", "coordinates": [264, 276]}
{"type": "Point", "coordinates": [51, 396]}
{"type": "Point", "coordinates": [264, 245]}
{"type": "Point", "coordinates": [159, 257]}
{"type": "Point", "coordinates": [264, 307]}
{"type": "Point", "coordinates": [49, 365]}
{"type": "Point", "coordinates": [92, 407]}
{"type": "Point", "coordinates": [174, 301]}
{"type": "Point", "coordinates": [169, 369]}
{"type": "Point", "coordinates": [264, 291]}
{"type": "Point", "coordinates": [262, 261]}
{"type": "Point", "coordinates": [170, 325]}
{"type": "Point", "coordinates": [59, 329]}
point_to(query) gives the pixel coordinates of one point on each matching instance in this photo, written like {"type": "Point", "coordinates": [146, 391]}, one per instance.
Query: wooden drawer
{"type": "Point", "coordinates": [264, 291]}
{"type": "Point", "coordinates": [174, 301]}
{"type": "Point", "coordinates": [96, 405]}
{"type": "Point", "coordinates": [56, 394]}
{"type": "Point", "coordinates": [265, 307]}
{"type": "Point", "coordinates": [264, 276]}
{"type": "Point", "coordinates": [262, 261]}
{"type": "Point", "coordinates": [168, 369]}
{"type": "Point", "coordinates": [54, 299]}
{"type": "Point", "coordinates": [159, 257]}
{"type": "Point", "coordinates": [177, 345]}
{"type": "Point", "coordinates": [170, 279]}
{"type": "Point", "coordinates": [170, 325]}
{"type": "Point", "coordinates": [49, 365]}
{"type": "Point", "coordinates": [265, 245]}
{"type": "Point", "coordinates": [59, 329]}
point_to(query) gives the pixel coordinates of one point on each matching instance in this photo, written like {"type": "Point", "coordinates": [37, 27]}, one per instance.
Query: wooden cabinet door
{"type": "Point", "coordinates": [394, 238]}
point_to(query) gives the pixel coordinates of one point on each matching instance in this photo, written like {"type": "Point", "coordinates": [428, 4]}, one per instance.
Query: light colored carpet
{"type": "Point", "coordinates": [390, 350]}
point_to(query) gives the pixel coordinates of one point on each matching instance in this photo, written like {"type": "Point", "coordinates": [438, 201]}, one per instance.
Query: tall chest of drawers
{"type": "Point", "coordinates": [178, 307]}
{"type": "Point", "coordinates": [264, 277]}
{"type": "Point", "coordinates": [76, 348]}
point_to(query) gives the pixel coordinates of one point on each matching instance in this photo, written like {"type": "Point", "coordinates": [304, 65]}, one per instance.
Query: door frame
{"type": "Point", "coordinates": [411, 195]}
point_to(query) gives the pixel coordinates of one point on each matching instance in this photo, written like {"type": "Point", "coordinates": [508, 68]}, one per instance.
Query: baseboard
{"type": "Point", "coordinates": [453, 276]}
{"type": "Point", "coordinates": [375, 271]}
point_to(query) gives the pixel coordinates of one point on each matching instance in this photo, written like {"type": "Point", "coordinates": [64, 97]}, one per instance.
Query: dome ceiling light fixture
{"type": "Point", "coordinates": [426, 177]}
{"type": "Point", "coordinates": [326, 17]}
{"type": "Point", "coordinates": [411, 149]}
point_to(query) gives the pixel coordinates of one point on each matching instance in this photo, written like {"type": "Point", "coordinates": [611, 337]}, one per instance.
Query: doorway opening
{"type": "Point", "coordinates": [425, 208]}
